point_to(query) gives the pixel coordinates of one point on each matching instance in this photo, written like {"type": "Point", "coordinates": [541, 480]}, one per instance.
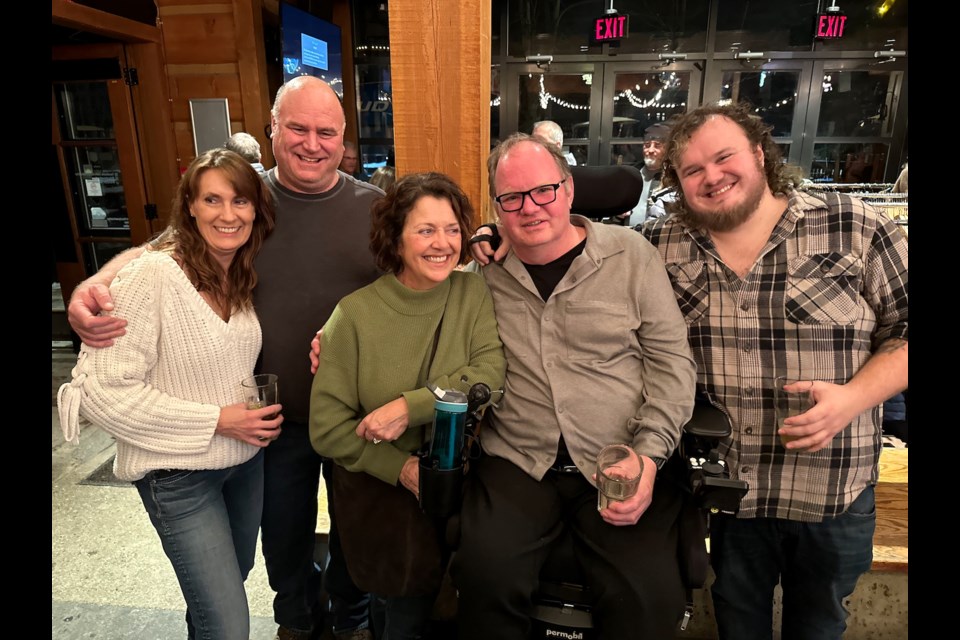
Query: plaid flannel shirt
{"type": "Point", "coordinates": [828, 288]}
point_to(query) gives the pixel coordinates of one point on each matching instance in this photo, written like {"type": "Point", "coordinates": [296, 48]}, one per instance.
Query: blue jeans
{"type": "Point", "coordinates": [207, 522]}
{"type": "Point", "coordinates": [289, 525]}
{"type": "Point", "coordinates": [817, 564]}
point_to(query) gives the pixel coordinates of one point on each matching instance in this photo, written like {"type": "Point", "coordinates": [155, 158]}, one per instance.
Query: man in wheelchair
{"type": "Point", "coordinates": [597, 354]}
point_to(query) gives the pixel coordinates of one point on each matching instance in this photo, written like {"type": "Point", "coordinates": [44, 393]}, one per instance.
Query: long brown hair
{"type": "Point", "coordinates": [183, 239]}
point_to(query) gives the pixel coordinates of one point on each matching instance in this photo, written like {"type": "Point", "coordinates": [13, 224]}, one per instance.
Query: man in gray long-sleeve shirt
{"type": "Point", "coordinates": [597, 354]}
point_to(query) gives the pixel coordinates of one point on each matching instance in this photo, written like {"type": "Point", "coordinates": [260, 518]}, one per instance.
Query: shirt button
{"type": "Point", "coordinates": [748, 430]}
{"type": "Point", "coordinates": [546, 318]}
{"type": "Point", "coordinates": [748, 347]}
{"type": "Point", "coordinates": [549, 364]}
{"type": "Point", "coordinates": [824, 268]}
{"type": "Point", "coordinates": [748, 390]}
{"type": "Point", "coordinates": [745, 307]}
{"type": "Point", "coordinates": [559, 409]}
{"type": "Point", "coordinates": [745, 469]}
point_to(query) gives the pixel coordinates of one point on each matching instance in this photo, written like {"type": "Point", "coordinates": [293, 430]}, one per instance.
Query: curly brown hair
{"type": "Point", "coordinates": [183, 239]}
{"type": "Point", "coordinates": [782, 178]}
{"type": "Point", "coordinates": [389, 213]}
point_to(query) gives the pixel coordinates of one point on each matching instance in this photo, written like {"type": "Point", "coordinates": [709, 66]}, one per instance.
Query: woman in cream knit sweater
{"type": "Point", "coordinates": [169, 390]}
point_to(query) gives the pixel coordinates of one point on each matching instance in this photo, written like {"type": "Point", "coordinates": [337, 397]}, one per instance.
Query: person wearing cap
{"type": "Point", "coordinates": [654, 140]}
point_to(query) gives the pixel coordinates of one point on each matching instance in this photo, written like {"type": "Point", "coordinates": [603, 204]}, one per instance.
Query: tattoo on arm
{"type": "Point", "coordinates": [892, 345]}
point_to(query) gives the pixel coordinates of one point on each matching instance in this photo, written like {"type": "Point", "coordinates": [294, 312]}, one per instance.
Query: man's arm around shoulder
{"type": "Point", "coordinates": [93, 296]}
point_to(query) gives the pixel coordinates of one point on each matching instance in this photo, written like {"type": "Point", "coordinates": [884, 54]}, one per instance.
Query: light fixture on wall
{"type": "Point", "coordinates": [748, 55]}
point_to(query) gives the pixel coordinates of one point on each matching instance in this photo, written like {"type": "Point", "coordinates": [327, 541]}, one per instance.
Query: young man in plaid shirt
{"type": "Point", "coordinates": [772, 281]}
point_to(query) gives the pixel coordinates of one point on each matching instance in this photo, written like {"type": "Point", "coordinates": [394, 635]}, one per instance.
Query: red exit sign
{"type": "Point", "coordinates": [610, 28]}
{"type": "Point", "coordinates": [829, 26]}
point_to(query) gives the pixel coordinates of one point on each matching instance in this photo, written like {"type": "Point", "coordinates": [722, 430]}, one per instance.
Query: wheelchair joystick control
{"type": "Point", "coordinates": [712, 466]}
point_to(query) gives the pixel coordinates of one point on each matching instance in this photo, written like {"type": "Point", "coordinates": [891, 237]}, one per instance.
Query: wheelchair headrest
{"type": "Point", "coordinates": [601, 192]}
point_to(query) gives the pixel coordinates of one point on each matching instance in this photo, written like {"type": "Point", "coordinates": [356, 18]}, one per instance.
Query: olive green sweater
{"type": "Point", "coordinates": [376, 346]}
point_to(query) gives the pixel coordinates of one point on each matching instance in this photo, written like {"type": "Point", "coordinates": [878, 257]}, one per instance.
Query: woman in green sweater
{"type": "Point", "coordinates": [370, 408]}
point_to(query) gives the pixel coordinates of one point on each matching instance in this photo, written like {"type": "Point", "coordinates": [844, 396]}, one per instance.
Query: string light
{"type": "Point", "coordinates": [546, 98]}
{"type": "Point", "coordinates": [364, 48]}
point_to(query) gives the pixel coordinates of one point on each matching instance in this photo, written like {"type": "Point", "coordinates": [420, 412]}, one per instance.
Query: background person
{"type": "Point", "coordinates": [771, 279]}
{"type": "Point", "coordinates": [384, 177]}
{"type": "Point", "coordinates": [248, 147]}
{"type": "Point", "coordinates": [654, 140]}
{"type": "Point", "coordinates": [311, 197]}
{"type": "Point", "coordinates": [597, 354]}
{"type": "Point", "coordinates": [551, 131]}
{"type": "Point", "coordinates": [371, 410]}
{"type": "Point", "coordinates": [350, 163]}
{"type": "Point", "coordinates": [169, 390]}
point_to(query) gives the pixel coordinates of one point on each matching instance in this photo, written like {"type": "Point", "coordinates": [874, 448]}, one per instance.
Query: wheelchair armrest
{"type": "Point", "coordinates": [707, 422]}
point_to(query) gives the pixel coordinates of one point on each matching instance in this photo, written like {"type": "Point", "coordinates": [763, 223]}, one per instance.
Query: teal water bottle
{"type": "Point", "coordinates": [446, 442]}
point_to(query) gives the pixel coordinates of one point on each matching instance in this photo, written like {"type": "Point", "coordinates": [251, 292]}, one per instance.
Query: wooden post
{"type": "Point", "coordinates": [440, 71]}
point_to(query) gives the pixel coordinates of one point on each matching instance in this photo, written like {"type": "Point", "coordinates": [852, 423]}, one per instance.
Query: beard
{"type": "Point", "coordinates": [653, 164]}
{"type": "Point", "coordinates": [727, 219]}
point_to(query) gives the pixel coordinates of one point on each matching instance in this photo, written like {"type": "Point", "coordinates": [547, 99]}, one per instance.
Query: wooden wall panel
{"type": "Point", "coordinates": [251, 62]}
{"type": "Point", "coordinates": [158, 150]}
{"type": "Point", "coordinates": [199, 38]}
{"type": "Point", "coordinates": [185, 88]}
{"type": "Point", "coordinates": [215, 50]}
{"type": "Point", "coordinates": [440, 67]}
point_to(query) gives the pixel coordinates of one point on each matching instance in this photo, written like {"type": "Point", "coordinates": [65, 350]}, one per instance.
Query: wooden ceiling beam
{"type": "Point", "coordinates": [77, 16]}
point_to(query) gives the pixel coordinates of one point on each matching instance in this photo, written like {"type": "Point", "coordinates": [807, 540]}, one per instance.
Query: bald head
{"type": "Point", "coordinates": [316, 87]}
{"type": "Point", "coordinates": [307, 124]}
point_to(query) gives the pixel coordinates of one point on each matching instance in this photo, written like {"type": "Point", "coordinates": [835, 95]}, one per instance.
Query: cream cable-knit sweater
{"type": "Point", "coordinates": [159, 389]}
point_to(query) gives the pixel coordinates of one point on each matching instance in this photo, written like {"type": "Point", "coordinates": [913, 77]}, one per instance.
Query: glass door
{"type": "Point", "coordinates": [860, 121]}
{"type": "Point", "coordinates": [778, 91]}
{"type": "Point", "coordinates": [96, 146]}
{"type": "Point", "coordinates": [637, 95]}
{"type": "Point", "coordinates": [603, 108]}
{"type": "Point", "coordinates": [564, 93]}
{"type": "Point", "coordinates": [853, 107]}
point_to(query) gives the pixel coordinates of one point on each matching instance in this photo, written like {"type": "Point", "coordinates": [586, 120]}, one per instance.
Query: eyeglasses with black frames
{"type": "Point", "coordinates": [542, 195]}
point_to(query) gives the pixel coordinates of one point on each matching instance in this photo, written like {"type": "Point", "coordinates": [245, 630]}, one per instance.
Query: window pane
{"type": "Point", "coordinates": [84, 111]}
{"type": "Point", "coordinates": [566, 28]}
{"type": "Point", "coordinates": [849, 163]}
{"type": "Point", "coordinates": [772, 94]}
{"type": "Point", "coordinates": [97, 191]}
{"type": "Point", "coordinates": [784, 26]}
{"type": "Point", "coordinates": [563, 98]}
{"type": "Point", "coordinates": [374, 93]}
{"type": "Point", "coordinates": [857, 103]}
{"type": "Point", "coordinates": [759, 26]}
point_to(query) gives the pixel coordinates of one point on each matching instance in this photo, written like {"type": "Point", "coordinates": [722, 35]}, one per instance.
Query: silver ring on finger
{"type": "Point", "coordinates": [377, 441]}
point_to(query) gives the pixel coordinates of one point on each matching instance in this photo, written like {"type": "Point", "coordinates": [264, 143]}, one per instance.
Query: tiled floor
{"type": "Point", "coordinates": [111, 579]}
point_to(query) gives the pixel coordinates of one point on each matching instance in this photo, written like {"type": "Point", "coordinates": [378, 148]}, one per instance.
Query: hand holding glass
{"type": "Point", "coordinates": [790, 403]}
{"type": "Point", "coordinates": [260, 391]}
{"type": "Point", "coordinates": [618, 474]}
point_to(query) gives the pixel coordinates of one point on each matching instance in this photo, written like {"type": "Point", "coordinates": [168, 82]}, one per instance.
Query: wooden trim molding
{"type": "Point", "coordinates": [78, 16]}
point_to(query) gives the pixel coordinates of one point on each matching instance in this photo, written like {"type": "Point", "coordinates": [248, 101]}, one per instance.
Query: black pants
{"type": "Point", "coordinates": [288, 537]}
{"type": "Point", "coordinates": [509, 521]}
